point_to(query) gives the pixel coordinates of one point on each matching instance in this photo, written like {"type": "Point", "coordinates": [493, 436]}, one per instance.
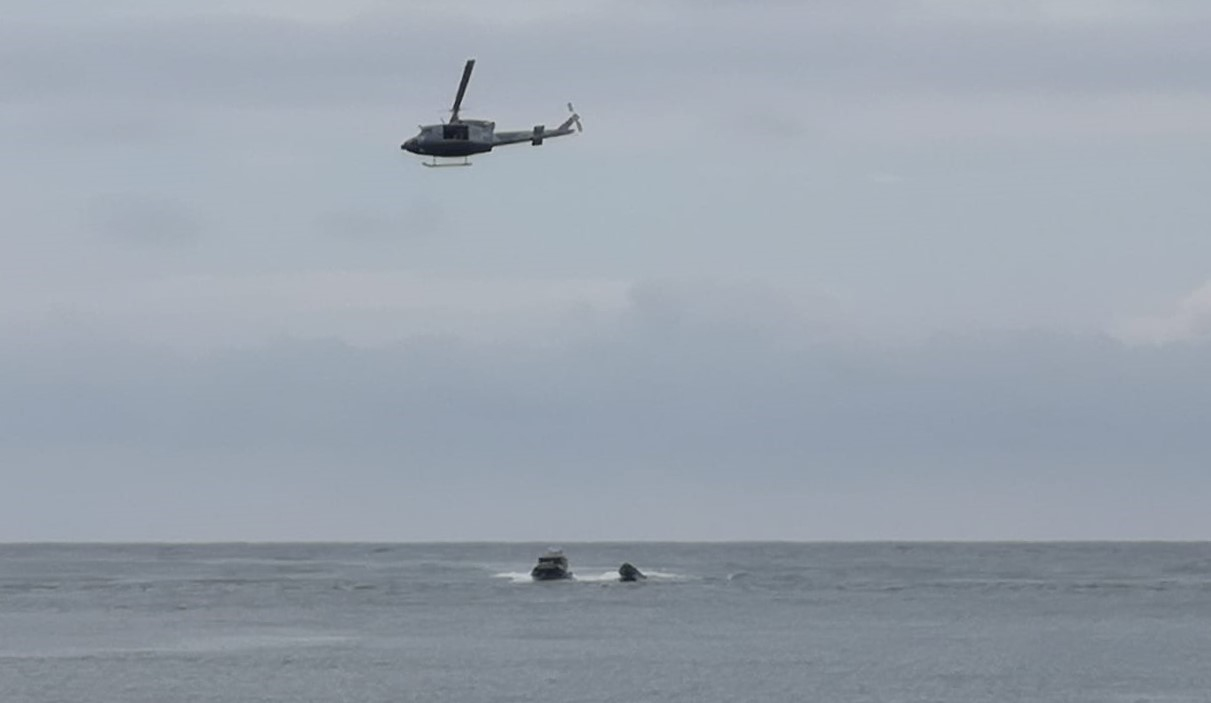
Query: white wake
{"type": "Point", "coordinates": [590, 576]}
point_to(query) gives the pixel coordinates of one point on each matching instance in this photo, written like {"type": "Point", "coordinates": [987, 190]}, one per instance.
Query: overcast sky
{"type": "Point", "coordinates": [830, 269]}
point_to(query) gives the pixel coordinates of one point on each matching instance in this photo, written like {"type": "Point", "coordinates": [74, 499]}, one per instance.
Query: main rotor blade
{"type": "Point", "coordinates": [462, 88]}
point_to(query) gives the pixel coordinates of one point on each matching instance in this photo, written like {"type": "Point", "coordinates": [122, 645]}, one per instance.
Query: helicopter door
{"type": "Point", "coordinates": [455, 131]}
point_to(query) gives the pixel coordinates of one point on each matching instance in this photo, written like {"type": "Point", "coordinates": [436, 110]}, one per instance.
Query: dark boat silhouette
{"type": "Point", "coordinates": [551, 566]}
{"type": "Point", "coordinates": [628, 572]}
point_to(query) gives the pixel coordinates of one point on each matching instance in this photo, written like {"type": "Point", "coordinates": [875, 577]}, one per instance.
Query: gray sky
{"type": "Point", "coordinates": [838, 269]}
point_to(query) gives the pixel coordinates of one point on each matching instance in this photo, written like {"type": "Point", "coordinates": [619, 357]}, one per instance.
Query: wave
{"type": "Point", "coordinates": [192, 645]}
{"type": "Point", "coordinates": [590, 576]}
{"type": "Point", "coordinates": [28, 587]}
{"type": "Point", "coordinates": [514, 576]}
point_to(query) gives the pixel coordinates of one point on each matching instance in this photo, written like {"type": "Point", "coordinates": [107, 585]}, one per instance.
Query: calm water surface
{"type": "Point", "coordinates": [727, 622]}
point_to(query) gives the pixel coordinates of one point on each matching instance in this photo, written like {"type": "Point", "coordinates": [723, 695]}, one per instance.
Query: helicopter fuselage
{"type": "Point", "coordinates": [453, 139]}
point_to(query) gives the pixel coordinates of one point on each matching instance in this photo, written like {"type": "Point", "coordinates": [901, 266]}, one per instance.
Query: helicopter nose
{"type": "Point", "coordinates": [409, 145]}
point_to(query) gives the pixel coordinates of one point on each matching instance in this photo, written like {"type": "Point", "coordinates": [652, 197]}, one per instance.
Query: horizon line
{"type": "Point", "coordinates": [526, 542]}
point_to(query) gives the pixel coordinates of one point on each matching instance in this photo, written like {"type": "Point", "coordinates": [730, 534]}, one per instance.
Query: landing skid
{"type": "Point", "coordinates": [435, 164]}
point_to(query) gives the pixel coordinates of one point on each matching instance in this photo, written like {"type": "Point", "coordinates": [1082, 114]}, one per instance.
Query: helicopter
{"type": "Point", "coordinates": [463, 138]}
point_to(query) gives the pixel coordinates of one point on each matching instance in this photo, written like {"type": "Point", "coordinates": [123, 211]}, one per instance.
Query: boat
{"type": "Point", "coordinates": [551, 566]}
{"type": "Point", "coordinates": [628, 572]}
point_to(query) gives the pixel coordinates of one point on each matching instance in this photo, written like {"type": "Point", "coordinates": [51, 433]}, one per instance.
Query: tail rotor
{"type": "Point", "coordinates": [575, 118]}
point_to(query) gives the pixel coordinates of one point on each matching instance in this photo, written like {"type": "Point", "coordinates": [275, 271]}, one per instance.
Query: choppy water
{"type": "Point", "coordinates": [460, 623]}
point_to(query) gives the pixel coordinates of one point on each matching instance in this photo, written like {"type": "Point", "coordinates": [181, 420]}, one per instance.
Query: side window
{"type": "Point", "coordinates": [454, 131]}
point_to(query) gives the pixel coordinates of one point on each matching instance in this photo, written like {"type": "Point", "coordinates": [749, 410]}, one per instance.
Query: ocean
{"type": "Point", "coordinates": [463, 623]}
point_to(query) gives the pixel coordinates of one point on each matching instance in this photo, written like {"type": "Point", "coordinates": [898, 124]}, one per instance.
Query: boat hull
{"type": "Point", "coordinates": [551, 574]}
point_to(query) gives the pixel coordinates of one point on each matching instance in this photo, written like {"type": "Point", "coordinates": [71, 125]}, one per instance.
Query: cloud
{"type": "Point", "coordinates": [680, 400]}
{"type": "Point", "coordinates": [871, 48]}
{"type": "Point", "coordinates": [143, 220]}
{"type": "Point", "coordinates": [199, 313]}
{"type": "Point", "coordinates": [1188, 321]}
{"type": "Point", "coordinates": [217, 262]}
{"type": "Point", "coordinates": [688, 391]}
{"type": "Point", "coordinates": [708, 378]}
{"type": "Point", "coordinates": [883, 178]}
{"type": "Point", "coordinates": [729, 310]}
{"type": "Point", "coordinates": [422, 219]}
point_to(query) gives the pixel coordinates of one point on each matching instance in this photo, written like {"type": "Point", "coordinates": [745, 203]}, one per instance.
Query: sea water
{"type": "Point", "coordinates": [462, 623]}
